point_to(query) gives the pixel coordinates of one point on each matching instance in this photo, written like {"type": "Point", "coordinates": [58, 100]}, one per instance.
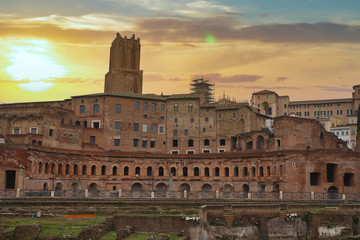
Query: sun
{"type": "Point", "coordinates": [31, 62]}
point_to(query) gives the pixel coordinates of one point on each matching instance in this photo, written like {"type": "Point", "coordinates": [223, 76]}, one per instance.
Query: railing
{"type": "Point", "coordinates": [11, 193]}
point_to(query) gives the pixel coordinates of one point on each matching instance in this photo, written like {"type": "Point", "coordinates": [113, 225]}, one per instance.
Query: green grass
{"type": "Point", "coordinates": [143, 236]}
{"type": "Point", "coordinates": [109, 236]}
{"type": "Point", "coordinates": [52, 226]}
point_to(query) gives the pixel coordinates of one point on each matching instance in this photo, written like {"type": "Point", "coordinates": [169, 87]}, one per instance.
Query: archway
{"type": "Point", "coordinates": [206, 191]}
{"type": "Point", "coordinates": [245, 190]}
{"type": "Point", "coordinates": [93, 190]}
{"type": "Point", "coordinates": [160, 190]}
{"type": "Point", "coordinates": [136, 190]}
{"type": "Point", "coordinates": [261, 189]}
{"type": "Point", "coordinates": [58, 189]}
{"type": "Point", "coordinates": [184, 187]}
{"type": "Point", "coordinates": [333, 192]}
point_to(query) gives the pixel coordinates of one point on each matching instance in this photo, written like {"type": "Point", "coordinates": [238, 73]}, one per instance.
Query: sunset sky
{"type": "Point", "coordinates": [306, 49]}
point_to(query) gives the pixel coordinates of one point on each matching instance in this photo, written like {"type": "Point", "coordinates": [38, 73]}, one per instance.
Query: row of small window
{"type": "Point", "coordinates": [33, 130]}
{"type": "Point", "coordinates": [322, 113]}
{"type": "Point", "coordinates": [344, 133]}
{"type": "Point", "coordinates": [161, 171]}
{"type": "Point", "coordinates": [190, 108]}
{"type": "Point", "coordinates": [175, 143]}
{"type": "Point", "coordinates": [146, 106]}
{"type": "Point", "coordinates": [259, 97]}
{"type": "Point", "coordinates": [96, 107]}
{"type": "Point", "coordinates": [144, 129]}
{"type": "Point", "coordinates": [186, 131]}
{"type": "Point", "coordinates": [315, 105]}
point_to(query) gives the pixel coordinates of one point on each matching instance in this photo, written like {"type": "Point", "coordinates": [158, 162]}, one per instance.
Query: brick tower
{"type": "Point", "coordinates": [124, 74]}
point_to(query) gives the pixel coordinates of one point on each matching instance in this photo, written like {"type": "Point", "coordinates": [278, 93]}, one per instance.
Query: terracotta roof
{"type": "Point", "coordinates": [264, 92]}
{"type": "Point", "coordinates": [124, 94]}
{"type": "Point", "coordinates": [343, 100]}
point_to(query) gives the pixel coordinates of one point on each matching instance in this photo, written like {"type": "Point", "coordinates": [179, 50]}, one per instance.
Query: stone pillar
{"type": "Point", "coordinates": [18, 192]}
{"type": "Point", "coordinates": [203, 215]}
{"type": "Point", "coordinates": [217, 195]}
{"type": "Point", "coordinates": [120, 193]}
{"type": "Point", "coordinates": [281, 195]}
{"type": "Point", "coordinates": [21, 178]}
{"type": "Point", "coordinates": [86, 193]}
{"type": "Point", "coordinates": [312, 195]}
{"type": "Point", "coordinates": [343, 196]}
{"type": "Point", "coordinates": [249, 195]}
{"type": "Point", "coordinates": [185, 194]}
{"type": "Point", "coordinates": [52, 194]}
{"type": "Point", "coordinates": [152, 194]}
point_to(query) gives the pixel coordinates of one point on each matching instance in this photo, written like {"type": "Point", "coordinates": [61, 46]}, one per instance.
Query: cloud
{"type": "Point", "coordinates": [36, 86]}
{"type": "Point", "coordinates": [281, 79]}
{"type": "Point", "coordinates": [217, 78]}
{"type": "Point", "coordinates": [272, 88]}
{"type": "Point", "coordinates": [333, 89]}
{"type": "Point", "coordinates": [321, 32]}
{"type": "Point", "coordinates": [148, 77]}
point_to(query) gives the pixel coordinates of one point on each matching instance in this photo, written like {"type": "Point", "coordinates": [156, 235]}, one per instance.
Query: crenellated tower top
{"type": "Point", "coordinates": [124, 69]}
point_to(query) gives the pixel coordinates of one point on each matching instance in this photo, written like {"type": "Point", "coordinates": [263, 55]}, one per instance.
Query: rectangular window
{"type": "Point", "coordinates": [190, 152]}
{"type": "Point", "coordinates": [162, 107]}
{"type": "Point", "coordinates": [95, 124]}
{"type": "Point", "coordinates": [82, 108]}
{"type": "Point", "coordinates": [174, 151]}
{"type": "Point", "coordinates": [92, 139]}
{"type": "Point", "coordinates": [152, 143]}
{"type": "Point", "coordinates": [16, 131]}
{"type": "Point", "coordinates": [135, 142]}
{"type": "Point", "coordinates": [219, 115]}
{"type": "Point", "coordinates": [349, 111]}
{"type": "Point", "coordinates": [153, 106]}
{"type": "Point", "coordinates": [339, 112]}
{"type": "Point", "coordinates": [204, 129]}
{"type": "Point", "coordinates": [176, 108]}
{"type": "Point", "coordinates": [161, 129]}
{"type": "Point", "coordinates": [136, 105]}
{"type": "Point", "coordinates": [33, 130]}
{"type": "Point", "coordinates": [175, 143]}
{"type": "Point", "coordinates": [330, 112]}
{"type": "Point", "coordinates": [145, 106]}
{"type": "Point", "coordinates": [116, 142]}
{"type": "Point", "coordinates": [136, 127]}
{"type": "Point", "coordinates": [314, 179]}
{"type": "Point", "coordinates": [117, 125]}
{"type": "Point", "coordinates": [153, 128]}
{"type": "Point", "coordinates": [144, 127]}
{"type": "Point", "coordinates": [186, 132]}
{"type": "Point", "coordinates": [307, 114]}
{"type": "Point", "coordinates": [206, 151]}
{"type": "Point", "coordinates": [51, 132]}
{"type": "Point", "coordinates": [144, 143]}
{"type": "Point", "coordinates": [175, 132]}
{"type": "Point", "coordinates": [118, 108]}
{"type": "Point", "coordinates": [285, 106]}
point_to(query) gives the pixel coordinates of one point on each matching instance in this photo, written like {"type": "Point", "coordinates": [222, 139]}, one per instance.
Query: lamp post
{"type": "Point", "coordinates": [153, 176]}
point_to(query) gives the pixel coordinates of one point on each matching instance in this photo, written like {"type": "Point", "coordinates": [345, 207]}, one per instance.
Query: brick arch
{"type": "Point", "coordinates": [206, 187]}
{"type": "Point", "coordinates": [185, 186]}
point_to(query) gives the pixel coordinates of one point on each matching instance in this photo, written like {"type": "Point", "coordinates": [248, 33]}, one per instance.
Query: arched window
{"type": "Point", "coordinates": [114, 170]}
{"type": "Point", "coordinates": [196, 171]}
{"type": "Point", "coordinates": [236, 171]}
{"type": "Point", "coordinates": [217, 172]}
{"type": "Point", "coordinates": [67, 169]}
{"type": "Point", "coordinates": [245, 171]}
{"type": "Point", "coordinates": [46, 168]}
{"type": "Point", "coordinates": [126, 171]}
{"type": "Point", "coordinates": [76, 169]}
{"type": "Point", "coordinates": [190, 143]}
{"type": "Point", "coordinates": [261, 171]}
{"type": "Point", "coordinates": [93, 170]}
{"type": "Point", "coordinates": [227, 172]}
{"type": "Point", "coordinates": [137, 171]}
{"type": "Point", "coordinates": [190, 107]}
{"type": "Point", "coordinates": [60, 171]}
{"type": "Point", "coordinates": [84, 170]}
{"type": "Point", "coordinates": [40, 167]}
{"type": "Point", "coordinates": [149, 172]}
{"type": "Point", "coordinates": [53, 168]}
{"type": "Point", "coordinates": [161, 171]}
{"type": "Point", "coordinates": [173, 171]}
{"type": "Point", "coordinates": [206, 172]}
{"type": "Point", "coordinates": [206, 142]}
{"type": "Point", "coordinates": [185, 171]}
{"type": "Point", "coordinates": [103, 170]}
{"type": "Point", "coordinates": [82, 108]}
{"type": "Point", "coordinates": [253, 171]}
{"type": "Point", "coordinates": [96, 108]}
{"type": "Point", "coordinates": [268, 171]}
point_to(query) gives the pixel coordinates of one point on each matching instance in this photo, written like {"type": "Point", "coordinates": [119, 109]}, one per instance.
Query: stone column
{"type": "Point", "coordinates": [217, 194]}
{"type": "Point", "coordinates": [86, 193]}
{"type": "Point", "coordinates": [249, 195]}
{"type": "Point", "coordinates": [312, 195]}
{"type": "Point", "coordinates": [21, 178]}
{"type": "Point", "coordinates": [120, 193]}
{"type": "Point", "coordinates": [185, 194]}
{"type": "Point", "coordinates": [152, 194]}
{"type": "Point", "coordinates": [280, 195]}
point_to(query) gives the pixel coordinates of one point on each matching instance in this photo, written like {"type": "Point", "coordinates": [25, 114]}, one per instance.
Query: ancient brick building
{"type": "Point", "coordinates": [123, 139]}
